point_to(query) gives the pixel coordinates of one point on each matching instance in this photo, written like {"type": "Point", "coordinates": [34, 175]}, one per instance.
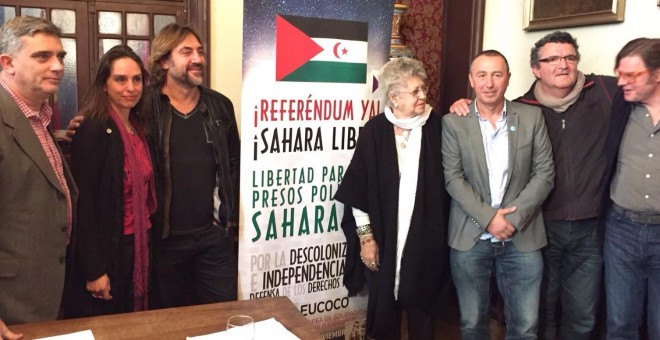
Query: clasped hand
{"type": "Point", "coordinates": [499, 227]}
{"type": "Point", "coordinates": [100, 288]}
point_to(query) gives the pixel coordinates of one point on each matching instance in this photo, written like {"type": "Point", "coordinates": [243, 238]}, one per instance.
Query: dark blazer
{"type": "Point", "coordinates": [531, 177]}
{"type": "Point", "coordinates": [97, 164]}
{"type": "Point", "coordinates": [33, 222]}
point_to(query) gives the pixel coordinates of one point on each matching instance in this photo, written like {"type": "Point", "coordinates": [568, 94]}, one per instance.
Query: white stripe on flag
{"type": "Point", "coordinates": [356, 51]}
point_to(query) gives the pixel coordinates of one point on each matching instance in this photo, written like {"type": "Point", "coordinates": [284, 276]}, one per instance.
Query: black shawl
{"type": "Point", "coordinates": [371, 184]}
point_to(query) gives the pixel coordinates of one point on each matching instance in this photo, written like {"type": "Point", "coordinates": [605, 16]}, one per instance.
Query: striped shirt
{"type": "Point", "coordinates": [39, 122]}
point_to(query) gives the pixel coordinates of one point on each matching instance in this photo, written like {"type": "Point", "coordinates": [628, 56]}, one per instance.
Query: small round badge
{"type": "Point", "coordinates": [513, 128]}
{"type": "Point", "coordinates": [109, 130]}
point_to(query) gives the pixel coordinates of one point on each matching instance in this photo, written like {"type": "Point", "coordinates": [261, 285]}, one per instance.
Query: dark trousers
{"type": "Point", "coordinates": [195, 269]}
{"type": "Point", "coordinates": [80, 303]}
{"type": "Point", "coordinates": [420, 325]}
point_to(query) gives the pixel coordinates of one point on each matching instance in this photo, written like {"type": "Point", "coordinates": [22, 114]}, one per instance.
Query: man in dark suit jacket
{"type": "Point", "coordinates": [37, 193]}
{"type": "Point", "coordinates": [498, 170]}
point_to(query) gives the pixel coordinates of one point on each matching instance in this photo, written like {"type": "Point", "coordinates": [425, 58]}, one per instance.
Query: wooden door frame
{"type": "Point", "coordinates": [198, 13]}
{"type": "Point", "coordinates": [462, 40]}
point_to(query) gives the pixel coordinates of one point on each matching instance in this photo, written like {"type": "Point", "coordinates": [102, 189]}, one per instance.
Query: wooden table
{"type": "Point", "coordinates": [177, 323]}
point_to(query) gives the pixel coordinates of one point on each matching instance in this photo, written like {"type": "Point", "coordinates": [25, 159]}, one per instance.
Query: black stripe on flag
{"type": "Point", "coordinates": [330, 28]}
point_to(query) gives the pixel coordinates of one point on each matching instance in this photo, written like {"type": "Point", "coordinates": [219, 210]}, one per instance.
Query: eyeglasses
{"type": "Point", "coordinates": [555, 59]}
{"type": "Point", "coordinates": [630, 77]}
{"type": "Point", "coordinates": [417, 92]}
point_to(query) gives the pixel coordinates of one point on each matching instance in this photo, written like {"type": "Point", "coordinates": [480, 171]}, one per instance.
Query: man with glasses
{"type": "Point", "coordinates": [632, 230]}
{"type": "Point", "coordinates": [498, 170]}
{"type": "Point", "coordinates": [576, 108]}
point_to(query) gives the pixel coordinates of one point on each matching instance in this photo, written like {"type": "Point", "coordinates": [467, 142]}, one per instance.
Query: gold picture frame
{"type": "Point", "coordinates": [550, 14]}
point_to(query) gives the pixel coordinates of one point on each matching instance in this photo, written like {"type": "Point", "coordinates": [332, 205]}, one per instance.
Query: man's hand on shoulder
{"type": "Point", "coordinates": [461, 107]}
{"type": "Point", "coordinates": [74, 123]}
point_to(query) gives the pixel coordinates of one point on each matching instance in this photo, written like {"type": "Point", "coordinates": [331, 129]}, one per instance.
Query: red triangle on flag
{"type": "Point", "coordinates": [293, 48]}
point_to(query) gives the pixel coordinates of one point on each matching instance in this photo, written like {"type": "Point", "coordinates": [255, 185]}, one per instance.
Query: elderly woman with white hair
{"type": "Point", "coordinates": [395, 187]}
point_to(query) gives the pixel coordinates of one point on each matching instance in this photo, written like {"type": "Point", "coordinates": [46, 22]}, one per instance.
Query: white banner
{"type": "Point", "coordinates": [300, 123]}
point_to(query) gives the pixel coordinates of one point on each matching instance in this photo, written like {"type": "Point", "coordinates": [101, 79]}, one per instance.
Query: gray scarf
{"type": "Point", "coordinates": [560, 104]}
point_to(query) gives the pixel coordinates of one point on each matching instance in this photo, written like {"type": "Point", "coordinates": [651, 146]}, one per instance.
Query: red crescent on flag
{"type": "Point", "coordinates": [335, 50]}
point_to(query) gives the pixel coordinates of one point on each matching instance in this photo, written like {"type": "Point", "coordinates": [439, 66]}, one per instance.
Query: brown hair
{"type": "Point", "coordinates": [167, 39]}
{"type": "Point", "coordinates": [645, 48]}
{"type": "Point", "coordinates": [96, 100]}
{"type": "Point", "coordinates": [490, 53]}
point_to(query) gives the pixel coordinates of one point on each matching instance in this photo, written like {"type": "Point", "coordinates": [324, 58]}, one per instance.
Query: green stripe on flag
{"type": "Point", "coordinates": [329, 72]}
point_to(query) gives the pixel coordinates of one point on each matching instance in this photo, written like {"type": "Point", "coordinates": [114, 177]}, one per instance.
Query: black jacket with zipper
{"type": "Point", "coordinates": [219, 118]}
{"type": "Point", "coordinates": [578, 144]}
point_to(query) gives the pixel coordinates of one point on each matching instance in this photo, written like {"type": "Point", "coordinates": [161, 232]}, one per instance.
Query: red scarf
{"type": "Point", "coordinates": [143, 200]}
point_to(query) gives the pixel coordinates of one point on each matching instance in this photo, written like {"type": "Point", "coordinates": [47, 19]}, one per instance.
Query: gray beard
{"type": "Point", "coordinates": [188, 81]}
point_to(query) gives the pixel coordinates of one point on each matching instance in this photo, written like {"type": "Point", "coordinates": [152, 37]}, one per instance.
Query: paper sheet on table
{"type": "Point", "coordinates": [82, 335]}
{"type": "Point", "coordinates": [266, 329]}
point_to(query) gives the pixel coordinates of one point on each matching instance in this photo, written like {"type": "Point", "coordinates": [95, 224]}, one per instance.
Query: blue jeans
{"type": "Point", "coordinates": [571, 278]}
{"type": "Point", "coordinates": [632, 275]}
{"type": "Point", "coordinates": [518, 280]}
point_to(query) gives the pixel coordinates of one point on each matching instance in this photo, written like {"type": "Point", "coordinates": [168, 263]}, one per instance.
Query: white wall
{"type": "Point", "coordinates": [599, 44]}
{"type": "Point", "coordinates": [227, 50]}
{"type": "Point", "coordinates": [502, 31]}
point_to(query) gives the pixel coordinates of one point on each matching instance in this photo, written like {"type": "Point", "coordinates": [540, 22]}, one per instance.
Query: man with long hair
{"type": "Point", "coordinates": [632, 229]}
{"type": "Point", "coordinates": [197, 154]}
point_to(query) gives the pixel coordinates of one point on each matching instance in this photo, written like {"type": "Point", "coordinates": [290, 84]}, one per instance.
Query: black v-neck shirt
{"type": "Point", "coordinates": [193, 172]}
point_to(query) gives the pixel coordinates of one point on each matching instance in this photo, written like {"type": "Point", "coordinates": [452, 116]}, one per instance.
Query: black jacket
{"type": "Point", "coordinates": [218, 112]}
{"type": "Point", "coordinates": [371, 184]}
{"type": "Point", "coordinates": [97, 164]}
{"type": "Point", "coordinates": [578, 144]}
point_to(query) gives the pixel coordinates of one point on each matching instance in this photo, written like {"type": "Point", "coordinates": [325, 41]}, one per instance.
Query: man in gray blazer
{"type": "Point", "coordinates": [498, 170]}
{"type": "Point", "coordinates": [37, 193]}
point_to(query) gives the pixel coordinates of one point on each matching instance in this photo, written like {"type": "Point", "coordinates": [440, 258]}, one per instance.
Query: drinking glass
{"type": "Point", "coordinates": [240, 327]}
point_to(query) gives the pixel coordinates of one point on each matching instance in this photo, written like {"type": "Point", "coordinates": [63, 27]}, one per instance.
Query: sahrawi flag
{"type": "Point", "coordinates": [321, 50]}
